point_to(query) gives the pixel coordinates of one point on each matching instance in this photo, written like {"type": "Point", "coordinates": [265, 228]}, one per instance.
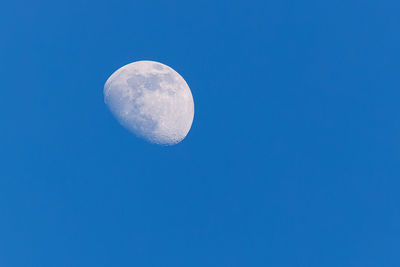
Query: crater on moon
{"type": "Point", "coordinates": [152, 101]}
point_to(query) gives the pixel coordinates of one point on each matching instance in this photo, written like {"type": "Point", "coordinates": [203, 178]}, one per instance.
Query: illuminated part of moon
{"type": "Point", "coordinates": [152, 101]}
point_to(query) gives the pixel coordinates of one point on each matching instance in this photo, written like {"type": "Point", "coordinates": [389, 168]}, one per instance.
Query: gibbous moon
{"type": "Point", "coordinates": [152, 101]}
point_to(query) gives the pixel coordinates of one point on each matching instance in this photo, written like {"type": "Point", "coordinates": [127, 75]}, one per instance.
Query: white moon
{"type": "Point", "coordinates": [152, 101]}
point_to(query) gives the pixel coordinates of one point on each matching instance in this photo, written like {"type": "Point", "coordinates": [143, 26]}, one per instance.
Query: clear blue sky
{"type": "Point", "coordinates": [292, 159]}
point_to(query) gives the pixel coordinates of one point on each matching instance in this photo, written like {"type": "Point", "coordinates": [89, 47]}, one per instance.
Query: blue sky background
{"type": "Point", "coordinates": [292, 159]}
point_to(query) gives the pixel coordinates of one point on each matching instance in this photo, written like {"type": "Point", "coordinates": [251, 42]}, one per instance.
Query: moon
{"type": "Point", "coordinates": [152, 101]}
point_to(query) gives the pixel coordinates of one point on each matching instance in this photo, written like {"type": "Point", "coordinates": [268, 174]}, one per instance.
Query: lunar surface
{"type": "Point", "coordinates": [152, 101]}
